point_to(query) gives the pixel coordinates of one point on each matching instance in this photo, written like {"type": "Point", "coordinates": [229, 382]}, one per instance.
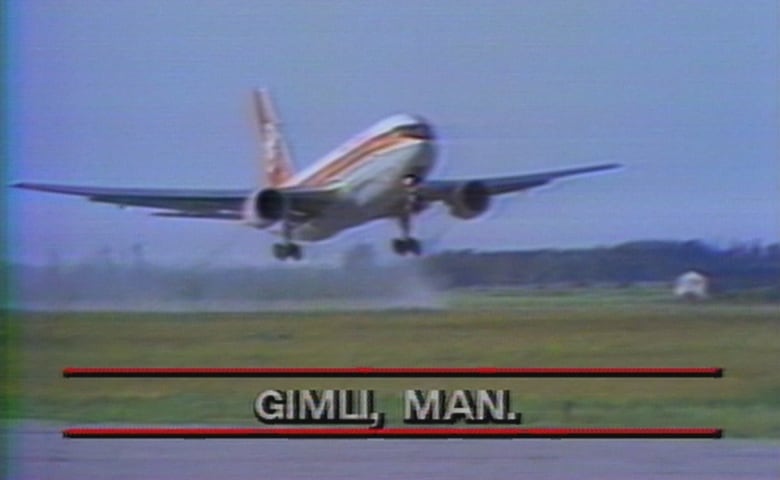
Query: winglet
{"type": "Point", "coordinates": [276, 164]}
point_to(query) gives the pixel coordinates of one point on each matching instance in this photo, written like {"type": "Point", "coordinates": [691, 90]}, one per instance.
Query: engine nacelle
{"type": "Point", "coordinates": [469, 200]}
{"type": "Point", "coordinates": [264, 207]}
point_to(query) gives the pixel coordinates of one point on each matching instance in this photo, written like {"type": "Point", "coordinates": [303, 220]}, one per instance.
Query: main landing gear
{"type": "Point", "coordinates": [402, 246]}
{"type": "Point", "coordinates": [283, 251]}
{"type": "Point", "coordinates": [287, 249]}
{"type": "Point", "coordinates": [413, 204]}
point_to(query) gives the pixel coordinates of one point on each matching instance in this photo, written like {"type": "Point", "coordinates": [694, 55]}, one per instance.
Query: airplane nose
{"type": "Point", "coordinates": [422, 129]}
{"type": "Point", "coordinates": [421, 162]}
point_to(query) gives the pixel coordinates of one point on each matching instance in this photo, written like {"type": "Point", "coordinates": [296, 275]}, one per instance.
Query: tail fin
{"type": "Point", "coordinates": [276, 164]}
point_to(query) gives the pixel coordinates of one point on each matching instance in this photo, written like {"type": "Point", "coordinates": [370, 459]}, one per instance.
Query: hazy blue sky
{"type": "Point", "coordinates": [685, 94]}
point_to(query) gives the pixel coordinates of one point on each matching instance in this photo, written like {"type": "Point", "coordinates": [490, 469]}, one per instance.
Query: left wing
{"type": "Point", "coordinates": [441, 189]}
{"type": "Point", "coordinates": [218, 204]}
{"type": "Point", "coordinates": [183, 203]}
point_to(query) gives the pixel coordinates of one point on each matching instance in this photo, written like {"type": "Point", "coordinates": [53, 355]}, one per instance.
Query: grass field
{"type": "Point", "coordinates": [547, 329]}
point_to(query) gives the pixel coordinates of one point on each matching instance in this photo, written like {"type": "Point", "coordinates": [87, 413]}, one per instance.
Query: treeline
{"type": "Point", "coordinates": [736, 267]}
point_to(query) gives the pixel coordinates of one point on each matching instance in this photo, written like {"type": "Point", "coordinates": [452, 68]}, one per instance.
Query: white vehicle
{"type": "Point", "coordinates": [381, 173]}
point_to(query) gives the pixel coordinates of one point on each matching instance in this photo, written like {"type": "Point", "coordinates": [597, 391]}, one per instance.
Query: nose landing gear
{"type": "Point", "coordinates": [413, 204]}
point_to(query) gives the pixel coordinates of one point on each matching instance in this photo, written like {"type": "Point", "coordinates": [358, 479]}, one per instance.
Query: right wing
{"type": "Point", "coordinates": [440, 189]}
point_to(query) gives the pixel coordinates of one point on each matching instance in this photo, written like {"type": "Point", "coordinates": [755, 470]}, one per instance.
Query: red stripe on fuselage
{"type": "Point", "coordinates": [356, 157]}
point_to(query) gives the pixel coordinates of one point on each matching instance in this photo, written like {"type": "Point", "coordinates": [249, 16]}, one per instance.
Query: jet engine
{"type": "Point", "coordinates": [264, 208]}
{"type": "Point", "coordinates": [469, 200]}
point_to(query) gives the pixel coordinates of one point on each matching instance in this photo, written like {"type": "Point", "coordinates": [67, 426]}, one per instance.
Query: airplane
{"type": "Point", "coordinates": [379, 174]}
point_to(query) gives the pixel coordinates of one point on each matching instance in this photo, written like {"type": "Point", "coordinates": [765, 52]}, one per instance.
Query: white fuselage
{"type": "Point", "coordinates": [370, 172]}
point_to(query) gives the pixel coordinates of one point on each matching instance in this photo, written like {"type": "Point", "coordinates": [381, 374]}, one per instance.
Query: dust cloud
{"type": "Point", "coordinates": [358, 283]}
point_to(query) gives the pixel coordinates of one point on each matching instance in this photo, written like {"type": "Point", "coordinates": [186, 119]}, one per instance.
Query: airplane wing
{"type": "Point", "coordinates": [220, 204]}
{"type": "Point", "coordinates": [441, 189]}
{"type": "Point", "coordinates": [192, 203]}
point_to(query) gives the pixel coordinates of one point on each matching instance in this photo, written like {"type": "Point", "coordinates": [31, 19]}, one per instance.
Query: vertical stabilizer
{"type": "Point", "coordinates": [276, 164]}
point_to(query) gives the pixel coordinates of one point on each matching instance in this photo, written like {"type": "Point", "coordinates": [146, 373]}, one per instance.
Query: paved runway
{"type": "Point", "coordinates": [39, 451]}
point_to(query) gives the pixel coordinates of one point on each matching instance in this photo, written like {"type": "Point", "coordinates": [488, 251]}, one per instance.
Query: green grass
{"type": "Point", "coordinates": [548, 329]}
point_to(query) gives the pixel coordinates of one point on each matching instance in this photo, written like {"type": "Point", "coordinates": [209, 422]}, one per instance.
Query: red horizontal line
{"type": "Point", "coordinates": [391, 433]}
{"type": "Point", "coordinates": [388, 372]}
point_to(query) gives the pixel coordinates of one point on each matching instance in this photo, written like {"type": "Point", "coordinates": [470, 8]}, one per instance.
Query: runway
{"type": "Point", "coordinates": [37, 450]}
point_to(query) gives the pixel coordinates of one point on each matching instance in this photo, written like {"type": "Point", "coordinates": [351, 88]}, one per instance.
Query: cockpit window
{"type": "Point", "coordinates": [417, 130]}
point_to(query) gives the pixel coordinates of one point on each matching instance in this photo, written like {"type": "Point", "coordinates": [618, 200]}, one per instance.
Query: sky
{"type": "Point", "coordinates": [684, 94]}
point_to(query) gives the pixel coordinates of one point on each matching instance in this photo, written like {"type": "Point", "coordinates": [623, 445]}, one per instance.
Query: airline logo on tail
{"type": "Point", "coordinates": [276, 164]}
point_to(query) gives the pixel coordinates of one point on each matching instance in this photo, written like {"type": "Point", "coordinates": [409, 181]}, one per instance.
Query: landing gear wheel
{"type": "Point", "coordinates": [295, 251]}
{"type": "Point", "coordinates": [402, 246]}
{"type": "Point", "coordinates": [283, 251]}
{"type": "Point", "coordinates": [399, 246]}
{"type": "Point", "coordinates": [280, 251]}
{"type": "Point", "coordinates": [413, 246]}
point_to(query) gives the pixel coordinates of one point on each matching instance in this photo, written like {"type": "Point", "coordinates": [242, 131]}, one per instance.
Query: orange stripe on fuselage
{"type": "Point", "coordinates": [354, 158]}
